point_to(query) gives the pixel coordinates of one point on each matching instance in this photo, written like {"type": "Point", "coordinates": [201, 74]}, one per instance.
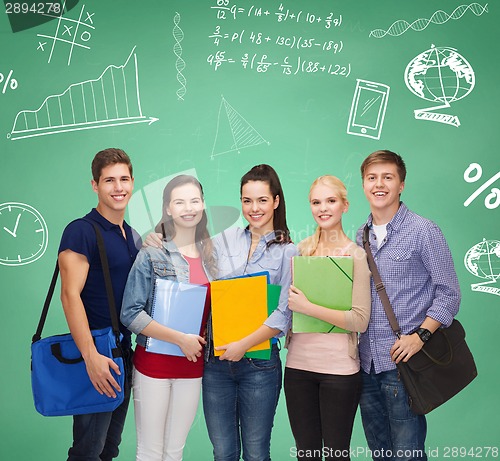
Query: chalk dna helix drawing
{"type": "Point", "coordinates": [399, 27]}
{"type": "Point", "coordinates": [112, 99]}
{"type": "Point", "coordinates": [180, 64]}
{"type": "Point", "coordinates": [440, 75]}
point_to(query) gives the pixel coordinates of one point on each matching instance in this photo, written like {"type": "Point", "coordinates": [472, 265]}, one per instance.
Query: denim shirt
{"type": "Point", "coordinates": [232, 260]}
{"type": "Point", "coordinates": [151, 263]}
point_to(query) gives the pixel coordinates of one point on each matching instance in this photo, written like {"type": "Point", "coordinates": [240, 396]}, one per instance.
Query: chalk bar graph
{"type": "Point", "coordinates": [111, 99]}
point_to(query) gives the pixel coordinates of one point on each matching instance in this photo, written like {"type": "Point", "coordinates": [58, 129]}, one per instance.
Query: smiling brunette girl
{"type": "Point", "coordinates": [240, 394]}
{"type": "Point", "coordinates": [167, 387]}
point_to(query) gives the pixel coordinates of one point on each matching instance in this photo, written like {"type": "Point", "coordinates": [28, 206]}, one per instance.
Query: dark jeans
{"type": "Point", "coordinates": [321, 409]}
{"type": "Point", "coordinates": [393, 431]}
{"type": "Point", "coordinates": [96, 436]}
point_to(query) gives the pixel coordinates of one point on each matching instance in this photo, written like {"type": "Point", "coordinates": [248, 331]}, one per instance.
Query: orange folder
{"type": "Point", "coordinates": [239, 307]}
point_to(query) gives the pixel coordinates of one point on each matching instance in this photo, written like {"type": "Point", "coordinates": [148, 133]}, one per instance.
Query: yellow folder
{"type": "Point", "coordinates": [239, 307]}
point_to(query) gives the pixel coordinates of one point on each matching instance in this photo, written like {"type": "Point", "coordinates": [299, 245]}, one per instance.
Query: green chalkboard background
{"type": "Point", "coordinates": [215, 87]}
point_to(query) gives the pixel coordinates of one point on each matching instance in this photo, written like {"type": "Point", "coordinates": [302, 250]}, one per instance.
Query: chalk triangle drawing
{"type": "Point", "coordinates": [111, 99]}
{"type": "Point", "coordinates": [233, 132]}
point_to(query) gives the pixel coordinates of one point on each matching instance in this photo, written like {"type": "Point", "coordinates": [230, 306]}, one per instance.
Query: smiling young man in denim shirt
{"type": "Point", "coordinates": [417, 269]}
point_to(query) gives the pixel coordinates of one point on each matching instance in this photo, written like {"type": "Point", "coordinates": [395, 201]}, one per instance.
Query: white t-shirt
{"type": "Point", "coordinates": [380, 232]}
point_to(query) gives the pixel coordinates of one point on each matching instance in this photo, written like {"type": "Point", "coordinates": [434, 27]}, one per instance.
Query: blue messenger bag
{"type": "Point", "coordinates": [59, 380]}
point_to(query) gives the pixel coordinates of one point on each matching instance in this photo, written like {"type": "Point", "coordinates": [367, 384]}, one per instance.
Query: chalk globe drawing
{"type": "Point", "coordinates": [483, 260]}
{"type": "Point", "coordinates": [440, 75]}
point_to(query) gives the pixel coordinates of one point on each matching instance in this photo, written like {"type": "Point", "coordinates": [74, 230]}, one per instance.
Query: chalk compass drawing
{"type": "Point", "coordinates": [180, 65]}
{"type": "Point", "coordinates": [23, 234]}
{"type": "Point", "coordinates": [440, 75]}
{"type": "Point", "coordinates": [233, 132]}
{"type": "Point", "coordinates": [112, 99]}
{"type": "Point", "coordinates": [472, 174]}
{"type": "Point", "coordinates": [369, 104]}
{"type": "Point", "coordinates": [399, 27]}
{"type": "Point", "coordinates": [73, 32]}
{"type": "Point", "coordinates": [483, 261]}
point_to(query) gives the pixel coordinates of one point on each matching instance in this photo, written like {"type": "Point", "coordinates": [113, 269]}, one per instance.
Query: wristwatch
{"type": "Point", "coordinates": [424, 334]}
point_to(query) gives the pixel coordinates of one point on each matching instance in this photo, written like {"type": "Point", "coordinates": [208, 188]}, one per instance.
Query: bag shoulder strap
{"type": "Point", "coordinates": [46, 304]}
{"type": "Point", "coordinates": [379, 285]}
{"type": "Point", "coordinates": [107, 280]}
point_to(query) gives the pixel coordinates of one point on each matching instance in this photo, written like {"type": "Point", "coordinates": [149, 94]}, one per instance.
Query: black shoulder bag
{"type": "Point", "coordinates": [441, 369]}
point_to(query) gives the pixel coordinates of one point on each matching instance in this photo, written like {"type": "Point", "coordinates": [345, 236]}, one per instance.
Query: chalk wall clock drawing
{"type": "Point", "coordinates": [23, 234]}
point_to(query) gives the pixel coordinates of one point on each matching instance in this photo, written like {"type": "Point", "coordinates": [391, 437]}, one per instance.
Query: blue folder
{"type": "Point", "coordinates": [253, 274]}
{"type": "Point", "coordinates": [177, 305]}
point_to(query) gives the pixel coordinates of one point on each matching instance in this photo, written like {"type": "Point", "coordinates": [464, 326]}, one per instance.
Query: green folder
{"type": "Point", "coordinates": [273, 298]}
{"type": "Point", "coordinates": [326, 281]}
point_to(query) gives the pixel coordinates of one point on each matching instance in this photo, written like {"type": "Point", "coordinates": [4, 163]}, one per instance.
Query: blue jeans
{"type": "Point", "coordinates": [239, 402]}
{"type": "Point", "coordinates": [96, 436]}
{"type": "Point", "coordinates": [392, 430]}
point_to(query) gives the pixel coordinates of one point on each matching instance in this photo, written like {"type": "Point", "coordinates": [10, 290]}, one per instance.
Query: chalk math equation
{"type": "Point", "coordinates": [258, 38]}
{"type": "Point", "coordinates": [310, 41]}
{"type": "Point", "coordinates": [224, 10]}
{"type": "Point", "coordinates": [288, 66]}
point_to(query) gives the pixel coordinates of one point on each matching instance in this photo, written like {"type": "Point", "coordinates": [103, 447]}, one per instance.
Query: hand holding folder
{"type": "Point", "coordinates": [326, 281]}
{"type": "Point", "coordinates": [177, 305]}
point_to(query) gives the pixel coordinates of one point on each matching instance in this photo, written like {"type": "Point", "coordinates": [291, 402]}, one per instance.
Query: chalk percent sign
{"type": "Point", "coordinates": [9, 82]}
{"type": "Point", "coordinates": [472, 174]}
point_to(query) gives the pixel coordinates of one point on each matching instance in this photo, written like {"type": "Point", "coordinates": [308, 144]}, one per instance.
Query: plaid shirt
{"type": "Point", "coordinates": [416, 267]}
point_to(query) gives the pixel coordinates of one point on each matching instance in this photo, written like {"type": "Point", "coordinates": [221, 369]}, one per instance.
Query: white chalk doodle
{"type": "Point", "coordinates": [180, 65]}
{"type": "Point", "coordinates": [9, 83]}
{"type": "Point", "coordinates": [440, 75]}
{"type": "Point", "coordinates": [399, 27]}
{"type": "Point", "coordinates": [483, 261]}
{"type": "Point", "coordinates": [233, 132]}
{"type": "Point", "coordinates": [472, 174]}
{"type": "Point", "coordinates": [24, 235]}
{"type": "Point", "coordinates": [112, 99]}
{"type": "Point", "coordinates": [73, 32]}
{"type": "Point", "coordinates": [368, 108]}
